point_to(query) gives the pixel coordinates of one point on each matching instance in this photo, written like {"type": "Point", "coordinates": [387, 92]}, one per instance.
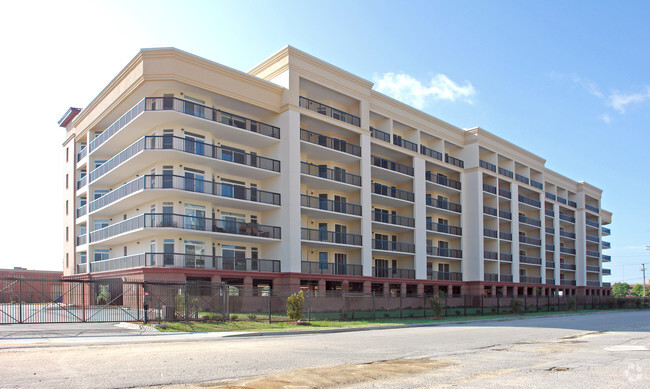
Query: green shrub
{"type": "Point", "coordinates": [104, 296]}
{"type": "Point", "coordinates": [252, 317]}
{"type": "Point", "coordinates": [516, 305]}
{"type": "Point", "coordinates": [234, 317]}
{"type": "Point", "coordinates": [295, 306]}
{"type": "Point", "coordinates": [436, 305]}
{"type": "Point", "coordinates": [192, 305]}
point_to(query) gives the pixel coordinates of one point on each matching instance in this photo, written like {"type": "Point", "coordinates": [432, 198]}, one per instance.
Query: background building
{"type": "Point", "coordinates": [298, 173]}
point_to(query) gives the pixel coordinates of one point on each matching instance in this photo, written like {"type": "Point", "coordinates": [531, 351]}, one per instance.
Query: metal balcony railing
{"type": "Point", "coordinates": [592, 238]}
{"type": "Point", "coordinates": [384, 190]}
{"type": "Point", "coordinates": [330, 205]}
{"type": "Point", "coordinates": [82, 182]}
{"type": "Point", "coordinates": [591, 208]}
{"type": "Point", "coordinates": [567, 234]}
{"type": "Point", "coordinates": [550, 196]}
{"type": "Point", "coordinates": [430, 153]}
{"type": "Point", "coordinates": [529, 240]}
{"type": "Point", "coordinates": [505, 193]}
{"type": "Point", "coordinates": [549, 230]}
{"type": "Point", "coordinates": [607, 258]}
{"type": "Point", "coordinates": [444, 228]}
{"type": "Point", "coordinates": [505, 278]}
{"type": "Point", "coordinates": [391, 165]}
{"type": "Point", "coordinates": [593, 283]}
{"type": "Point", "coordinates": [401, 142]}
{"type": "Point", "coordinates": [489, 188]}
{"type": "Point", "coordinates": [530, 220]}
{"type": "Point", "coordinates": [507, 257]}
{"type": "Point", "coordinates": [530, 279]}
{"type": "Point", "coordinates": [442, 180]}
{"type": "Point", "coordinates": [505, 214]}
{"type": "Point", "coordinates": [329, 174]}
{"type": "Point", "coordinates": [437, 203]}
{"type": "Point", "coordinates": [487, 165]}
{"type": "Point", "coordinates": [567, 218]}
{"type": "Point", "coordinates": [530, 260]}
{"type": "Point", "coordinates": [331, 268]}
{"type": "Point", "coordinates": [505, 172]}
{"type": "Point", "coordinates": [489, 210]}
{"type": "Point", "coordinates": [379, 134]}
{"type": "Point", "coordinates": [329, 142]}
{"type": "Point", "coordinates": [550, 247]}
{"type": "Point", "coordinates": [454, 161]}
{"type": "Point", "coordinates": [444, 276]}
{"type": "Point", "coordinates": [82, 153]}
{"type": "Point", "coordinates": [330, 236]}
{"type": "Point", "coordinates": [550, 265]}
{"type": "Point", "coordinates": [568, 282]}
{"type": "Point", "coordinates": [82, 239]}
{"type": "Point", "coordinates": [561, 199]}
{"type": "Point", "coordinates": [593, 253]}
{"type": "Point", "coordinates": [549, 213]}
{"type": "Point", "coordinates": [567, 250]}
{"type": "Point", "coordinates": [607, 244]}
{"type": "Point", "coordinates": [591, 223]}
{"type": "Point", "coordinates": [505, 235]}
{"type": "Point", "coordinates": [593, 268]}
{"type": "Point", "coordinates": [606, 230]}
{"type": "Point", "coordinates": [490, 233]}
{"type": "Point", "coordinates": [388, 245]}
{"type": "Point", "coordinates": [81, 211]}
{"type": "Point", "coordinates": [529, 201]}
{"type": "Point", "coordinates": [607, 272]}
{"type": "Point", "coordinates": [536, 184]}
{"type": "Point", "coordinates": [522, 178]}
{"type": "Point", "coordinates": [329, 111]}
{"type": "Point", "coordinates": [393, 272]}
{"type": "Point", "coordinates": [567, 266]}
{"type": "Point", "coordinates": [490, 255]}
{"type": "Point", "coordinates": [383, 217]}
{"type": "Point", "coordinates": [192, 261]}
{"type": "Point", "coordinates": [573, 204]}
{"type": "Point", "coordinates": [444, 252]}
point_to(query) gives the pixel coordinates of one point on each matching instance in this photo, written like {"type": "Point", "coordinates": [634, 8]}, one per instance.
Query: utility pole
{"type": "Point", "coordinates": [643, 270]}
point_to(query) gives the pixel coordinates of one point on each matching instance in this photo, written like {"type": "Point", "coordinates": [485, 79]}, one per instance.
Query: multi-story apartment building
{"type": "Point", "coordinates": [299, 174]}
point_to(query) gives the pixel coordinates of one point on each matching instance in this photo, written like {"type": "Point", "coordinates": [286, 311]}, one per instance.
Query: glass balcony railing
{"type": "Point", "coordinates": [390, 165]}
{"type": "Point", "coordinates": [185, 222]}
{"type": "Point", "coordinates": [330, 143]}
{"type": "Point", "coordinates": [454, 161]}
{"type": "Point", "coordinates": [379, 134]}
{"type": "Point", "coordinates": [388, 245]}
{"type": "Point", "coordinates": [487, 165]}
{"type": "Point", "coordinates": [442, 204]}
{"type": "Point", "coordinates": [330, 236]}
{"type": "Point", "coordinates": [444, 228]}
{"type": "Point", "coordinates": [444, 275]}
{"type": "Point", "coordinates": [444, 252]}
{"type": "Point", "coordinates": [385, 190]}
{"type": "Point", "coordinates": [331, 268]}
{"type": "Point", "coordinates": [323, 171]}
{"type": "Point", "coordinates": [330, 205]}
{"type": "Point", "coordinates": [192, 261]}
{"type": "Point", "coordinates": [393, 272]}
{"type": "Point", "coordinates": [329, 111]}
{"type": "Point", "coordinates": [383, 217]}
{"type": "Point", "coordinates": [401, 142]}
{"type": "Point", "coordinates": [442, 180]}
{"type": "Point", "coordinates": [430, 153]}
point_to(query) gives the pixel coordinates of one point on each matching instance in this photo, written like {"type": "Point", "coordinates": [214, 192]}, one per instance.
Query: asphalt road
{"type": "Point", "coordinates": [581, 351]}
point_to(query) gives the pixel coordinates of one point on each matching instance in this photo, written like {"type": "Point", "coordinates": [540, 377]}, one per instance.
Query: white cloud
{"type": "Point", "coordinates": [605, 118]}
{"type": "Point", "coordinates": [619, 100]}
{"type": "Point", "coordinates": [585, 83]}
{"type": "Point", "coordinates": [409, 90]}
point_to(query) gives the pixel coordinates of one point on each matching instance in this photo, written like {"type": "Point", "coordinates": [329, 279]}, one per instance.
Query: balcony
{"type": "Point", "coordinates": [550, 196]}
{"type": "Point", "coordinates": [330, 237]}
{"type": "Point", "coordinates": [607, 272]}
{"type": "Point", "coordinates": [82, 239]}
{"type": "Point", "coordinates": [444, 252]}
{"type": "Point", "coordinates": [567, 250]}
{"type": "Point", "coordinates": [506, 257]}
{"type": "Point", "coordinates": [573, 204]}
{"type": "Point", "coordinates": [505, 235]}
{"type": "Point", "coordinates": [550, 281]}
{"type": "Point", "coordinates": [561, 200]}
{"type": "Point", "coordinates": [330, 143]}
{"type": "Point", "coordinates": [383, 217]}
{"type": "Point", "coordinates": [606, 245]}
{"type": "Point", "coordinates": [490, 255]}
{"type": "Point", "coordinates": [430, 153]}
{"type": "Point", "coordinates": [387, 245]}
{"type": "Point", "coordinates": [529, 220]}
{"type": "Point", "coordinates": [444, 276]}
{"type": "Point", "coordinates": [329, 111]}
{"type": "Point", "coordinates": [390, 165]}
{"type": "Point", "coordinates": [521, 178]}
{"type": "Point", "coordinates": [530, 279]}
{"type": "Point", "coordinates": [489, 210]}
{"type": "Point", "coordinates": [441, 204]}
{"type": "Point", "coordinates": [592, 208]}
{"type": "Point", "coordinates": [81, 268]}
{"type": "Point", "coordinates": [83, 181]}
{"type": "Point", "coordinates": [184, 222]}
{"type": "Point", "coordinates": [454, 161]}
{"type": "Point", "coordinates": [330, 205]}
{"type": "Point", "coordinates": [444, 228]}
{"type": "Point", "coordinates": [442, 180]}
{"type": "Point", "coordinates": [568, 282]}
{"type": "Point", "coordinates": [505, 193]}
{"type": "Point", "coordinates": [487, 165]}
{"type": "Point", "coordinates": [550, 265]}
{"type": "Point", "coordinates": [593, 283]}
{"type": "Point", "coordinates": [591, 223]}
{"type": "Point", "coordinates": [550, 247]}
{"type": "Point", "coordinates": [530, 260]}
{"type": "Point", "coordinates": [331, 268]}
{"type": "Point", "coordinates": [505, 278]}
{"type": "Point", "coordinates": [169, 143]}
{"type": "Point", "coordinates": [188, 108]}
{"type": "Point", "coordinates": [529, 201]}
{"type": "Point", "coordinates": [401, 142]}
{"type": "Point", "coordinates": [378, 134]}
{"type": "Point", "coordinates": [228, 194]}
{"type": "Point", "coordinates": [606, 258]}
{"type": "Point", "coordinates": [592, 238]}
{"type": "Point", "coordinates": [567, 234]}
{"type": "Point", "coordinates": [536, 184]}
{"type": "Point", "coordinates": [395, 193]}
{"type": "Point", "coordinates": [506, 172]}
{"type": "Point", "coordinates": [594, 269]}
{"type": "Point", "coordinates": [82, 154]}
{"type": "Point", "coordinates": [322, 171]}
{"type": "Point", "coordinates": [81, 211]}
{"type": "Point", "coordinates": [606, 284]}
{"type": "Point", "coordinates": [592, 253]}
{"type": "Point", "coordinates": [490, 233]}
{"type": "Point", "coordinates": [530, 241]}
{"type": "Point", "coordinates": [549, 213]}
{"type": "Point", "coordinates": [192, 261]}
{"type": "Point", "coordinates": [490, 277]}
{"type": "Point", "coordinates": [567, 266]}
{"type": "Point", "coordinates": [606, 230]}
{"type": "Point", "coordinates": [505, 214]}
{"type": "Point", "coordinates": [549, 230]}
{"type": "Point", "coordinates": [489, 188]}
{"type": "Point", "coordinates": [388, 272]}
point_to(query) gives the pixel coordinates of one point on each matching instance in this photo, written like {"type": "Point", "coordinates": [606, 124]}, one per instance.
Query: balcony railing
{"type": "Point", "coordinates": [384, 190]}
{"type": "Point", "coordinates": [82, 210]}
{"type": "Point", "coordinates": [430, 153]}
{"type": "Point", "coordinates": [505, 193]}
{"type": "Point", "coordinates": [330, 236]}
{"type": "Point", "coordinates": [550, 196]}
{"type": "Point", "coordinates": [329, 174]}
{"type": "Point", "coordinates": [606, 284]}
{"type": "Point", "coordinates": [607, 258]}
{"type": "Point", "coordinates": [505, 172]}
{"type": "Point", "coordinates": [383, 217]}
{"type": "Point", "coordinates": [567, 234]}
{"type": "Point", "coordinates": [568, 282]}
{"type": "Point", "coordinates": [592, 253]}
{"type": "Point", "coordinates": [330, 143]}
{"type": "Point", "coordinates": [490, 255]}
{"type": "Point", "coordinates": [529, 240]}
{"type": "Point", "coordinates": [444, 252]}
{"type": "Point", "coordinates": [549, 230]}
{"type": "Point", "coordinates": [567, 266]}
{"type": "Point", "coordinates": [530, 279]}
{"type": "Point", "coordinates": [505, 235]}
{"type": "Point", "coordinates": [437, 203]}
{"type": "Point", "coordinates": [331, 268]}
{"type": "Point", "coordinates": [606, 230]}
{"type": "Point", "coordinates": [591, 223]}
{"type": "Point", "coordinates": [607, 272]}
{"type": "Point", "coordinates": [189, 108]}
{"type": "Point", "coordinates": [490, 233]}
{"type": "Point", "coordinates": [185, 222]}
{"type": "Point", "coordinates": [606, 244]}
{"type": "Point", "coordinates": [330, 205]}
{"type": "Point", "coordinates": [593, 283]}
{"type": "Point", "coordinates": [529, 201]}
{"type": "Point", "coordinates": [505, 277]}
{"type": "Point", "coordinates": [329, 111]}
{"type": "Point", "coordinates": [573, 204]}
{"type": "Point", "coordinates": [186, 145]}
{"type": "Point", "coordinates": [82, 239]}
{"type": "Point", "coordinates": [393, 272]}
{"type": "Point", "coordinates": [530, 220]}
{"type": "Point", "coordinates": [454, 161]}
{"type": "Point", "coordinates": [550, 247]}
{"type": "Point", "coordinates": [521, 178]}
{"type": "Point", "coordinates": [593, 268]}
{"type": "Point", "coordinates": [490, 211]}
{"type": "Point", "coordinates": [391, 165]}
{"type": "Point", "coordinates": [387, 245]}
{"type": "Point", "coordinates": [592, 238]}
{"type": "Point", "coordinates": [442, 180]}
{"type": "Point", "coordinates": [550, 265]}
{"type": "Point", "coordinates": [82, 153]}
{"type": "Point", "coordinates": [189, 184]}
{"type": "Point", "coordinates": [507, 257]}
{"type": "Point", "coordinates": [536, 184]}
{"type": "Point", "coordinates": [592, 208]}
{"type": "Point", "coordinates": [505, 214]}
{"type": "Point", "coordinates": [192, 261]}
{"type": "Point", "coordinates": [379, 134]}
{"type": "Point", "coordinates": [530, 260]}
{"type": "Point", "coordinates": [444, 276]}
{"type": "Point", "coordinates": [82, 182]}
{"type": "Point", "coordinates": [549, 212]}
{"type": "Point", "coordinates": [487, 165]}
{"type": "Point", "coordinates": [444, 228]}
{"type": "Point", "coordinates": [561, 199]}
{"type": "Point", "coordinates": [401, 142]}
{"type": "Point", "coordinates": [82, 268]}
{"type": "Point", "coordinates": [567, 250]}
{"type": "Point", "coordinates": [567, 218]}
{"type": "Point", "coordinates": [489, 188]}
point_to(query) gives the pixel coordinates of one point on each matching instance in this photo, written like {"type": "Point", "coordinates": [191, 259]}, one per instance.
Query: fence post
{"type": "Point", "coordinates": [548, 303]}
{"type": "Point", "coordinates": [482, 313]}
{"type": "Point", "coordinates": [186, 301]}
{"type": "Point", "coordinates": [343, 305]}
{"type": "Point", "coordinates": [270, 293]}
{"type": "Point", "coordinates": [537, 304]}
{"type": "Point", "coordinates": [400, 305]}
{"type": "Point", "coordinates": [137, 300]}
{"type": "Point", "coordinates": [374, 311]}
{"type": "Point", "coordinates": [446, 305]}
{"type": "Point", "coordinates": [308, 305]}
{"type": "Point", "coordinates": [465, 305]}
{"type": "Point", "coordinates": [20, 301]}
{"type": "Point", "coordinates": [525, 304]}
{"type": "Point", "coordinates": [83, 301]}
{"type": "Point", "coordinates": [498, 304]}
{"type": "Point", "coordinates": [424, 306]}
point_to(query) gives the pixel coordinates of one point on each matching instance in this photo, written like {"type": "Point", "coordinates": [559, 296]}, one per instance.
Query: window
{"type": "Point", "coordinates": [67, 177]}
{"type": "Point", "coordinates": [194, 180]}
{"type": "Point", "coordinates": [82, 257]}
{"type": "Point", "coordinates": [67, 262]}
{"type": "Point", "coordinates": [67, 230]}
{"type": "Point", "coordinates": [194, 254]}
{"type": "Point", "coordinates": [168, 252]}
{"type": "Point", "coordinates": [322, 260]}
{"type": "Point", "coordinates": [194, 143]}
{"type": "Point", "coordinates": [67, 154]}
{"type": "Point", "coordinates": [99, 162]}
{"type": "Point", "coordinates": [100, 223]}
{"type": "Point", "coordinates": [443, 267]}
{"type": "Point", "coordinates": [99, 193]}
{"type": "Point", "coordinates": [66, 206]}
{"type": "Point", "coordinates": [194, 217]}
{"type": "Point", "coordinates": [232, 221]}
{"type": "Point", "coordinates": [101, 255]}
{"type": "Point", "coordinates": [341, 233]}
{"type": "Point", "coordinates": [234, 257]}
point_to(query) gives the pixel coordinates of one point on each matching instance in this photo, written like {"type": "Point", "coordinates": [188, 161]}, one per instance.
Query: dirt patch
{"type": "Point", "coordinates": [557, 368]}
{"type": "Point", "coordinates": [331, 376]}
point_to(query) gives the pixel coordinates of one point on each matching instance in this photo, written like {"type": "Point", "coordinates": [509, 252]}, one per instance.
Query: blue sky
{"type": "Point", "coordinates": [569, 81]}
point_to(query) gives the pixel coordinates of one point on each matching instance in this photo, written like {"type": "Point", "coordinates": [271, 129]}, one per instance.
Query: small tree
{"type": "Point", "coordinates": [620, 289]}
{"type": "Point", "coordinates": [637, 290]}
{"type": "Point", "coordinates": [516, 305]}
{"type": "Point", "coordinates": [295, 305]}
{"type": "Point", "coordinates": [104, 296]}
{"type": "Point", "coordinates": [436, 305]}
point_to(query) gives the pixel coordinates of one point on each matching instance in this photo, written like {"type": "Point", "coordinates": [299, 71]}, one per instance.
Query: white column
{"type": "Point", "coordinates": [556, 241]}
{"type": "Point", "coordinates": [581, 247]}
{"type": "Point", "coordinates": [366, 205]}
{"type": "Point", "coordinates": [472, 224]}
{"type": "Point", "coordinates": [515, 232]}
{"type": "Point", "coordinates": [420, 213]}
